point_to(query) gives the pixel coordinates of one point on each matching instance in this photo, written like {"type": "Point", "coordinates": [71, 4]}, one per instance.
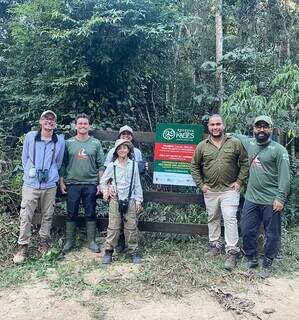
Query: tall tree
{"type": "Point", "coordinates": [219, 51]}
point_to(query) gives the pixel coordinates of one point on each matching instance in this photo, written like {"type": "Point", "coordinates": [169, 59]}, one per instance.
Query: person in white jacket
{"type": "Point", "coordinates": [120, 185]}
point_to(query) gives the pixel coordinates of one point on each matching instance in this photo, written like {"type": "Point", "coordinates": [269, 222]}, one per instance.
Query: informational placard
{"type": "Point", "coordinates": [174, 147]}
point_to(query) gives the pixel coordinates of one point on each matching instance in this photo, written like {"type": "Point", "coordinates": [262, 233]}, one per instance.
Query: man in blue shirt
{"type": "Point", "coordinates": [41, 159]}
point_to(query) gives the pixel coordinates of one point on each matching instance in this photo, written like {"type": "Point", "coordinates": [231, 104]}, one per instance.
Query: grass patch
{"type": "Point", "coordinates": [33, 268]}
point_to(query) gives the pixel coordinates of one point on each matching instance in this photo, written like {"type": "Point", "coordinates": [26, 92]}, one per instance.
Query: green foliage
{"type": "Point", "coordinates": [284, 103]}
{"type": "Point", "coordinates": [280, 101]}
{"type": "Point", "coordinates": [82, 56]}
{"type": "Point", "coordinates": [242, 107]}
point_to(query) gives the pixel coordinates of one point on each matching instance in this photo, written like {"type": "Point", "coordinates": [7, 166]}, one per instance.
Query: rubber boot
{"type": "Point", "coordinates": [70, 230]}
{"type": "Point", "coordinates": [91, 227]}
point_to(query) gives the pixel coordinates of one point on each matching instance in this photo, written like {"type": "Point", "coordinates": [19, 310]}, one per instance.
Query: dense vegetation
{"type": "Point", "coordinates": [145, 61]}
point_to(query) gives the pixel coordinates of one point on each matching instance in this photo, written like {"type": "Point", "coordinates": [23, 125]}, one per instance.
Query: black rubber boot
{"type": "Point", "coordinates": [107, 258]}
{"type": "Point", "coordinates": [91, 227]}
{"type": "Point", "coordinates": [70, 230]}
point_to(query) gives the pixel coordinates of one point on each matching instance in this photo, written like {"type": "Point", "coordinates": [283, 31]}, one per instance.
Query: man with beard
{"type": "Point", "coordinates": [267, 189]}
{"type": "Point", "coordinates": [219, 167]}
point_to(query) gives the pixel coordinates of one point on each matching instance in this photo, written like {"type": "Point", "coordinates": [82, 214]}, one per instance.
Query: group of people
{"type": "Point", "coordinates": [220, 166]}
{"type": "Point", "coordinates": [78, 166]}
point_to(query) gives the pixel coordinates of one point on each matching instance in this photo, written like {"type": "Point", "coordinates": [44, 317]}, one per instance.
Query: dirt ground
{"type": "Point", "coordinates": [274, 299]}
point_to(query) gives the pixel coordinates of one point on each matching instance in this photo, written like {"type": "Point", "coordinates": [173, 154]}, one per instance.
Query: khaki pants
{"type": "Point", "coordinates": [30, 200]}
{"type": "Point", "coordinates": [130, 227]}
{"type": "Point", "coordinates": [225, 203]}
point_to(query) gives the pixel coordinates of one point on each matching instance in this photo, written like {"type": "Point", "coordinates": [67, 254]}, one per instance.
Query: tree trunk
{"type": "Point", "coordinates": [176, 60]}
{"type": "Point", "coordinates": [219, 52]}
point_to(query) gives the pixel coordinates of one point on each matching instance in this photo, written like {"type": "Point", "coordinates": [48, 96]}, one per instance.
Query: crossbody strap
{"type": "Point", "coordinates": [34, 153]}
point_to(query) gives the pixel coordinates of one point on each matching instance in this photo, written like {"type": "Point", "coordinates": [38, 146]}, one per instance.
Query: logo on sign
{"type": "Point", "coordinates": [168, 134]}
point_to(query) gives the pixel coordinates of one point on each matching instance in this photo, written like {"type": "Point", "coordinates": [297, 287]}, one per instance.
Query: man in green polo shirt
{"type": "Point", "coordinates": [80, 174]}
{"type": "Point", "coordinates": [219, 167]}
{"type": "Point", "coordinates": [267, 189]}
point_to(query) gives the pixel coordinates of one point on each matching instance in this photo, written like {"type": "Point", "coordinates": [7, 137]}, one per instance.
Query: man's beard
{"type": "Point", "coordinates": [218, 135]}
{"type": "Point", "coordinates": [262, 137]}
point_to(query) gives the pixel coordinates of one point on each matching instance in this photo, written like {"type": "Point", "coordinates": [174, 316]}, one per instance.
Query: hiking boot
{"type": "Point", "coordinates": [43, 247]}
{"type": "Point", "coordinates": [136, 259]}
{"type": "Point", "coordinates": [266, 268]}
{"type": "Point", "coordinates": [70, 235]}
{"type": "Point", "coordinates": [252, 262]}
{"type": "Point", "coordinates": [107, 258]}
{"type": "Point", "coordinates": [231, 260]}
{"type": "Point", "coordinates": [121, 244]}
{"type": "Point", "coordinates": [21, 254]}
{"type": "Point", "coordinates": [213, 252]}
{"type": "Point", "coordinates": [91, 228]}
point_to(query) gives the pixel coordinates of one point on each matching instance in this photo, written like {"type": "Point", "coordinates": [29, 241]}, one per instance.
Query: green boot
{"type": "Point", "coordinates": [70, 230]}
{"type": "Point", "coordinates": [91, 227]}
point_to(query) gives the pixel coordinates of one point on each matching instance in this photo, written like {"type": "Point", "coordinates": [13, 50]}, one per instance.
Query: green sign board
{"type": "Point", "coordinates": [174, 148]}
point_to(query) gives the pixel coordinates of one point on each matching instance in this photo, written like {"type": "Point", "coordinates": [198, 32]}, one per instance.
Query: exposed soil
{"type": "Point", "coordinates": [274, 299]}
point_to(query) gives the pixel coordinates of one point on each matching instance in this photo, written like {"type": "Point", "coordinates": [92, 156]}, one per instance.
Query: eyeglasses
{"type": "Point", "coordinates": [262, 126]}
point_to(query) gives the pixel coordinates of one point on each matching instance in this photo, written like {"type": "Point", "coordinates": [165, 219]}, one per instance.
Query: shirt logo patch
{"type": "Point", "coordinates": [82, 155]}
{"type": "Point", "coordinates": [256, 162]}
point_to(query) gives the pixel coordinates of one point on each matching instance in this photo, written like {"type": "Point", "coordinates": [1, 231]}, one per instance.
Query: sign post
{"type": "Point", "coordinates": [174, 147]}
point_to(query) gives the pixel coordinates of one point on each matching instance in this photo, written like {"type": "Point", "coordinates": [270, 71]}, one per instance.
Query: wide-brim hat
{"type": "Point", "coordinates": [119, 142]}
{"type": "Point", "coordinates": [266, 119]}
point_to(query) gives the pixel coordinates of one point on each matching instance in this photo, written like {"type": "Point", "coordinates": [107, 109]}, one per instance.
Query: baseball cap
{"type": "Point", "coordinates": [125, 128]}
{"type": "Point", "coordinates": [48, 112]}
{"type": "Point", "coordinates": [266, 119]}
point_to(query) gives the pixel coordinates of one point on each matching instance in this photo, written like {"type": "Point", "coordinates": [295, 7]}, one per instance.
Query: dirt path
{"type": "Point", "coordinates": [36, 301]}
{"type": "Point", "coordinates": [275, 299]}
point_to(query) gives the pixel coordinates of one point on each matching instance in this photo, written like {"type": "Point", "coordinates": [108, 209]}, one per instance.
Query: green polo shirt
{"type": "Point", "coordinates": [269, 172]}
{"type": "Point", "coordinates": [219, 167]}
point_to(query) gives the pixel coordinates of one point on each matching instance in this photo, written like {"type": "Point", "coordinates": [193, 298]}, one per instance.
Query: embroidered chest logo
{"type": "Point", "coordinates": [256, 162]}
{"type": "Point", "coordinates": [82, 155]}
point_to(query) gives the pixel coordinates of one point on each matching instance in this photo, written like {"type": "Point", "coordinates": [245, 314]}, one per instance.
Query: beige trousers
{"type": "Point", "coordinates": [226, 204]}
{"type": "Point", "coordinates": [114, 226]}
{"type": "Point", "coordinates": [31, 198]}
